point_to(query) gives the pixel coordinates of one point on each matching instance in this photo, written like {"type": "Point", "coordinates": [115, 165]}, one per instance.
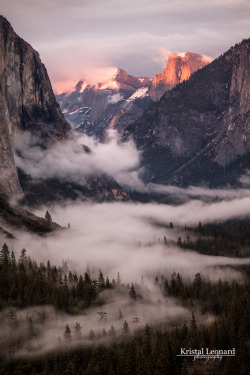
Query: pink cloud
{"type": "Point", "coordinates": [17, 5]}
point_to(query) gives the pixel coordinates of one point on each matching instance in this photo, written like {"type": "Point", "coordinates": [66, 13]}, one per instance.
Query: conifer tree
{"type": "Point", "coordinates": [132, 293]}
{"type": "Point", "coordinates": [125, 328]}
{"type": "Point", "coordinates": [48, 217]}
{"type": "Point", "coordinates": [67, 333]}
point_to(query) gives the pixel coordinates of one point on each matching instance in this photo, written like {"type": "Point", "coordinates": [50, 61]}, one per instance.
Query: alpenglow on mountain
{"type": "Point", "coordinates": [112, 104]}
{"type": "Point", "coordinates": [119, 101]}
{"type": "Point", "coordinates": [199, 132]}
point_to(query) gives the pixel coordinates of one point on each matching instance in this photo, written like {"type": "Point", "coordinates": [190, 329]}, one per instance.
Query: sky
{"type": "Point", "coordinates": [88, 38]}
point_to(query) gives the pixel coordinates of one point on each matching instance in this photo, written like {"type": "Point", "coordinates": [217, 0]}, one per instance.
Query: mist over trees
{"type": "Point", "coordinates": [36, 299]}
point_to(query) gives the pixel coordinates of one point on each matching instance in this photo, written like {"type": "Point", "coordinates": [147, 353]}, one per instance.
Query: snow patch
{"type": "Point", "coordinates": [181, 54]}
{"type": "Point", "coordinates": [140, 93]}
{"type": "Point", "coordinates": [84, 85]}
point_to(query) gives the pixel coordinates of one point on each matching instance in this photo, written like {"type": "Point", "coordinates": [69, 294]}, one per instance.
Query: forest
{"type": "Point", "coordinates": [36, 297]}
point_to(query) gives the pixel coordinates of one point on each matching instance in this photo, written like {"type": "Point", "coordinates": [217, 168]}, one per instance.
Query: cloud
{"type": "Point", "coordinates": [115, 98]}
{"type": "Point", "coordinates": [199, 191]}
{"type": "Point", "coordinates": [77, 36]}
{"type": "Point", "coordinates": [68, 161]}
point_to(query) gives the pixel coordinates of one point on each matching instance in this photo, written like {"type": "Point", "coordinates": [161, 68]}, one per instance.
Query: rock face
{"type": "Point", "coordinates": [199, 131]}
{"type": "Point", "coordinates": [30, 101]}
{"type": "Point", "coordinates": [27, 103]}
{"type": "Point", "coordinates": [9, 183]}
{"type": "Point", "coordinates": [112, 104]}
{"type": "Point", "coordinates": [178, 69]}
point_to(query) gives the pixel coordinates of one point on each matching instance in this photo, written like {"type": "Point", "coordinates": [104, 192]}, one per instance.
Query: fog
{"type": "Point", "coordinates": [49, 325]}
{"type": "Point", "coordinates": [128, 238]}
{"type": "Point", "coordinates": [68, 161]}
{"type": "Point", "coordinates": [125, 238]}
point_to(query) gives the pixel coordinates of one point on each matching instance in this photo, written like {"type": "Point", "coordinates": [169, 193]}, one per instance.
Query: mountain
{"type": "Point", "coordinates": [111, 104]}
{"type": "Point", "coordinates": [178, 69]}
{"type": "Point", "coordinates": [119, 101]}
{"type": "Point", "coordinates": [27, 103]}
{"type": "Point", "coordinates": [199, 131]}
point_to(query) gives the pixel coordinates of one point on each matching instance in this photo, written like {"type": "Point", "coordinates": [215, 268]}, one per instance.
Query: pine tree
{"type": "Point", "coordinates": [5, 256]}
{"type": "Point", "coordinates": [125, 328]}
{"type": "Point", "coordinates": [48, 217]}
{"type": "Point", "coordinates": [67, 333]}
{"type": "Point", "coordinates": [132, 293]}
{"type": "Point", "coordinates": [101, 281]}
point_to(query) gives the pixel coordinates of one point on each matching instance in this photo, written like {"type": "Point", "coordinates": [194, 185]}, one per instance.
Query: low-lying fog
{"type": "Point", "coordinates": [128, 238]}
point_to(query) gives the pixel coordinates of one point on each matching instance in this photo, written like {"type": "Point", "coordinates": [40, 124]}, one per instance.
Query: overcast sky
{"type": "Point", "coordinates": [85, 38]}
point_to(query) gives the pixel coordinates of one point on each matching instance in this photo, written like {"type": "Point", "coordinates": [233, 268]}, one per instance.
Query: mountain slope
{"type": "Point", "coordinates": [199, 131]}
{"type": "Point", "coordinates": [119, 101]}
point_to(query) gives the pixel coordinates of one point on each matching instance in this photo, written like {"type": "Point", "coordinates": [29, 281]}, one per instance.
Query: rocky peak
{"type": "Point", "coordinates": [179, 68]}
{"type": "Point", "coordinates": [122, 77]}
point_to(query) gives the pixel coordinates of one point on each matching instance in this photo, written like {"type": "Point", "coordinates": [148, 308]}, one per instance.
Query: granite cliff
{"type": "Point", "coordinates": [178, 69]}
{"type": "Point", "coordinates": [27, 103]}
{"type": "Point", "coordinates": [29, 99]}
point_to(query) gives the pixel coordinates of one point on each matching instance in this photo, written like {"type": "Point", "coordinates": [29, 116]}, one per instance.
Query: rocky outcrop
{"type": "Point", "coordinates": [199, 131]}
{"type": "Point", "coordinates": [178, 69]}
{"type": "Point", "coordinates": [15, 217]}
